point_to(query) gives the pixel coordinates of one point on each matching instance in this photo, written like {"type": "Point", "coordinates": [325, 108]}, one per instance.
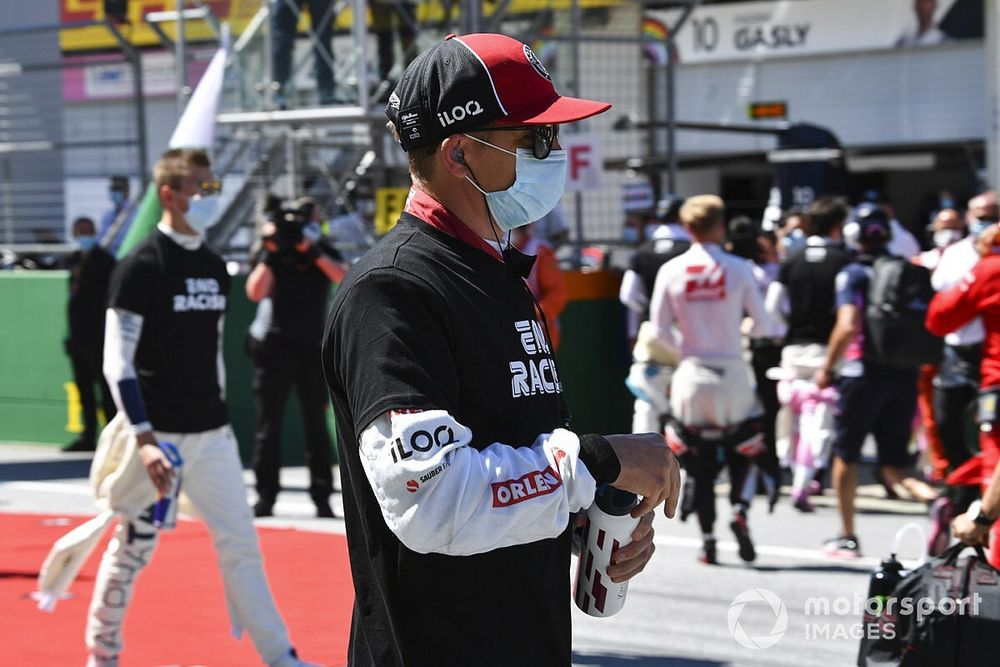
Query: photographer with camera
{"type": "Point", "coordinates": [294, 268]}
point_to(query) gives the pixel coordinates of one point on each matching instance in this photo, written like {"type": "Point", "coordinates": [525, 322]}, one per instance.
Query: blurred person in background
{"type": "Point", "coordinates": [665, 239]}
{"type": "Point", "coordinates": [947, 228]}
{"type": "Point", "coordinates": [90, 268]}
{"type": "Point", "coordinates": [284, 29]}
{"type": "Point", "coordinates": [745, 239]}
{"type": "Point", "coordinates": [932, 204]}
{"type": "Point", "coordinates": [388, 20]}
{"type": "Point", "coordinates": [875, 398]}
{"type": "Point", "coordinates": [546, 280]}
{"type": "Point", "coordinates": [958, 378]}
{"type": "Point", "coordinates": [903, 243]}
{"type": "Point", "coordinates": [652, 364]}
{"type": "Point", "coordinates": [294, 269]}
{"type": "Point", "coordinates": [978, 296]}
{"type": "Point", "coordinates": [698, 303]}
{"type": "Point", "coordinates": [552, 227]}
{"type": "Point", "coordinates": [803, 296]}
{"type": "Point", "coordinates": [115, 217]}
{"type": "Point", "coordinates": [791, 232]}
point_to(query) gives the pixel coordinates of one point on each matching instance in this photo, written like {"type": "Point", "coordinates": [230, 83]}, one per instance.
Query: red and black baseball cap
{"type": "Point", "coordinates": [473, 80]}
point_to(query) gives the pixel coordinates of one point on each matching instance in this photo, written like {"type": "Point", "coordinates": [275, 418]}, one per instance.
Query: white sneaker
{"type": "Point", "coordinates": [290, 659]}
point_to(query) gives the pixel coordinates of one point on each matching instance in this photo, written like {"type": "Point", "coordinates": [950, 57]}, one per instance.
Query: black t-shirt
{"type": "Point", "coordinates": [89, 275]}
{"type": "Point", "coordinates": [425, 321]}
{"type": "Point", "coordinates": [299, 297]}
{"type": "Point", "coordinates": [181, 295]}
{"type": "Point", "coordinates": [809, 277]}
{"type": "Point", "coordinates": [653, 254]}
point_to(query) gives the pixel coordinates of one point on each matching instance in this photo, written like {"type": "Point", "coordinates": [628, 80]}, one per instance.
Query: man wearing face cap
{"type": "Point", "coordinates": [459, 470]}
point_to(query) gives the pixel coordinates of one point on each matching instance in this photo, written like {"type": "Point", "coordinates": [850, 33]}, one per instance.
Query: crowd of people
{"type": "Point", "coordinates": [755, 351]}
{"type": "Point", "coordinates": [784, 349]}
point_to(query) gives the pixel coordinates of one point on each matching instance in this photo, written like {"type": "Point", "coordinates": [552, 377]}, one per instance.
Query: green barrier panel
{"type": "Point", "coordinates": [593, 362]}
{"type": "Point", "coordinates": [38, 402]}
{"type": "Point", "coordinates": [37, 394]}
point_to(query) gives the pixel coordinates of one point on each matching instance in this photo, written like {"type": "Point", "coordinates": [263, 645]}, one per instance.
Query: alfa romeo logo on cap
{"type": "Point", "coordinates": [535, 62]}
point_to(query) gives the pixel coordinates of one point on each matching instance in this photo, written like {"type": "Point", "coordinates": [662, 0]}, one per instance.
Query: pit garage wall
{"type": "Point", "coordinates": [39, 404]}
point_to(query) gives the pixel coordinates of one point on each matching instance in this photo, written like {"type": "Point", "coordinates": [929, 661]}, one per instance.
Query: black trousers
{"type": "Point", "coordinates": [86, 373]}
{"type": "Point", "coordinates": [385, 18]}
{"type": "Point", "coordinates": [280, 365]}
{"type": "Point", "coordinates": [702, 464]}
{"type": "Point", "coordinates": [955, 391]}
{"type": "Point", "coordinates": [765, 355]}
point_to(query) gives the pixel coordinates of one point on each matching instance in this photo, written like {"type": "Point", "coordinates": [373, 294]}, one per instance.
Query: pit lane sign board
{"type": "Point", "coordinates": [791, 28]}
{"type": "Point", "coordinates": [389, 204]}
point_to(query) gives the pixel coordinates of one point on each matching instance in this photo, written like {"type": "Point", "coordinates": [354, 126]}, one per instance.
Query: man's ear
{"type": "Point", "coordinates": [453, 156]}
{"type": "Point", "coordinates": [166, 195]}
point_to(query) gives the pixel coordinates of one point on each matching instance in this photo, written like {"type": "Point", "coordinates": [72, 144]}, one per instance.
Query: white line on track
{"type": "Point", "coordinates": [48, 487]}
{"type": "Point", "coordinates": [300, 510]}
{"type": "Point", "coordinates": [792, 553]}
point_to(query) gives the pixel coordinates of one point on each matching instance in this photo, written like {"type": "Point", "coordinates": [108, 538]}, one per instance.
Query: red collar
{"type": "Point", "coordinates": [431, 211]}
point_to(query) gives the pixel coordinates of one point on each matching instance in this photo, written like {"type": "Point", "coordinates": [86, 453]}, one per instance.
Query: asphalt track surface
{"type": "Point", "coordinates": [678, 612]}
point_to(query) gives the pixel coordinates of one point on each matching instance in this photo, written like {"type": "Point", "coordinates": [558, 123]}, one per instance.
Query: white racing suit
{"type": "Point", "coordinates": [698, 304]}
{"type": "Point", "coordinates": [715, 423]}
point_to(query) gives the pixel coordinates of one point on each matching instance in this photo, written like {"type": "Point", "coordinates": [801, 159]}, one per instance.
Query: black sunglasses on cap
{"type": "Point", "coordinates": [542, 136]}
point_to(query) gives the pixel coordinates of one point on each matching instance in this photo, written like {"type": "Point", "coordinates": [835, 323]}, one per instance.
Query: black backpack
{"type": "Point", "coordinates": [899, 294]}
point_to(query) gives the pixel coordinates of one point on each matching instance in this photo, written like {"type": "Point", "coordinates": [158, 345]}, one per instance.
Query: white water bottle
{"type": "Point", "coordinates": [608, 527]}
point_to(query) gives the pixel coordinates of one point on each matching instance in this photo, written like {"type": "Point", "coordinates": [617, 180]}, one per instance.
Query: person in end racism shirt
{"type": "Point", "coordinates": [163, 362]}
{"type": "Point", "coordinates": [459, 471]}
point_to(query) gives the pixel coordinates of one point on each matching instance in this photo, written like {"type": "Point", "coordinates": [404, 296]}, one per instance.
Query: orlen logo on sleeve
{"type": "Point", "coordinates": [534, 484]}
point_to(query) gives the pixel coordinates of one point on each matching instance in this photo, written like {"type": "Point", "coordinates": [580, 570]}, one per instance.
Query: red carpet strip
{"type": "Point", "coordinates": [178, 615]}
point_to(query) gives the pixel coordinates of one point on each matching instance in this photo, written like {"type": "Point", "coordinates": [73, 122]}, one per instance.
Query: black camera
{"type": "Point", "coordinates": [289, 223]}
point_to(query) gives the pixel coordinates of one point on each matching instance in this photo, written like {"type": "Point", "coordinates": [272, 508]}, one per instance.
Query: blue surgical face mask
{"type": "Point", "coordinates": [630, 234]}
{"type": "Point", "coordinates": [201, 213]}
{"type": "Point", "coordinates": [794, 240]}
{"type": "Point", "coordinates": [978, 226]}
{"type": "Point", "coordinates": [312, 232]}
{"type": "Point", "coordinates": [86, 243]}
{"type": "Point", "coordinates": [538, 187]}
{"type": "Point", "coordinates": [117, 197]}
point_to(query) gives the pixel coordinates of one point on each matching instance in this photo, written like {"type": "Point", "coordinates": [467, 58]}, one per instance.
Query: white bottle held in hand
{"type": "Point", "coordinates": [608, 527]}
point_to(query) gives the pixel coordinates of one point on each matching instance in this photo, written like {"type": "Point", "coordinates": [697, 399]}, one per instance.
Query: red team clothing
{"type": "Point", "coordinates": [978, 294]}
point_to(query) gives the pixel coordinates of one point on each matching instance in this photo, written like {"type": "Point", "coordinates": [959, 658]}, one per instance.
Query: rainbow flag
{"type": "Point", "coordinates": [195, 129]}
{"type": "Point", "coordinates": [654, 41]}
